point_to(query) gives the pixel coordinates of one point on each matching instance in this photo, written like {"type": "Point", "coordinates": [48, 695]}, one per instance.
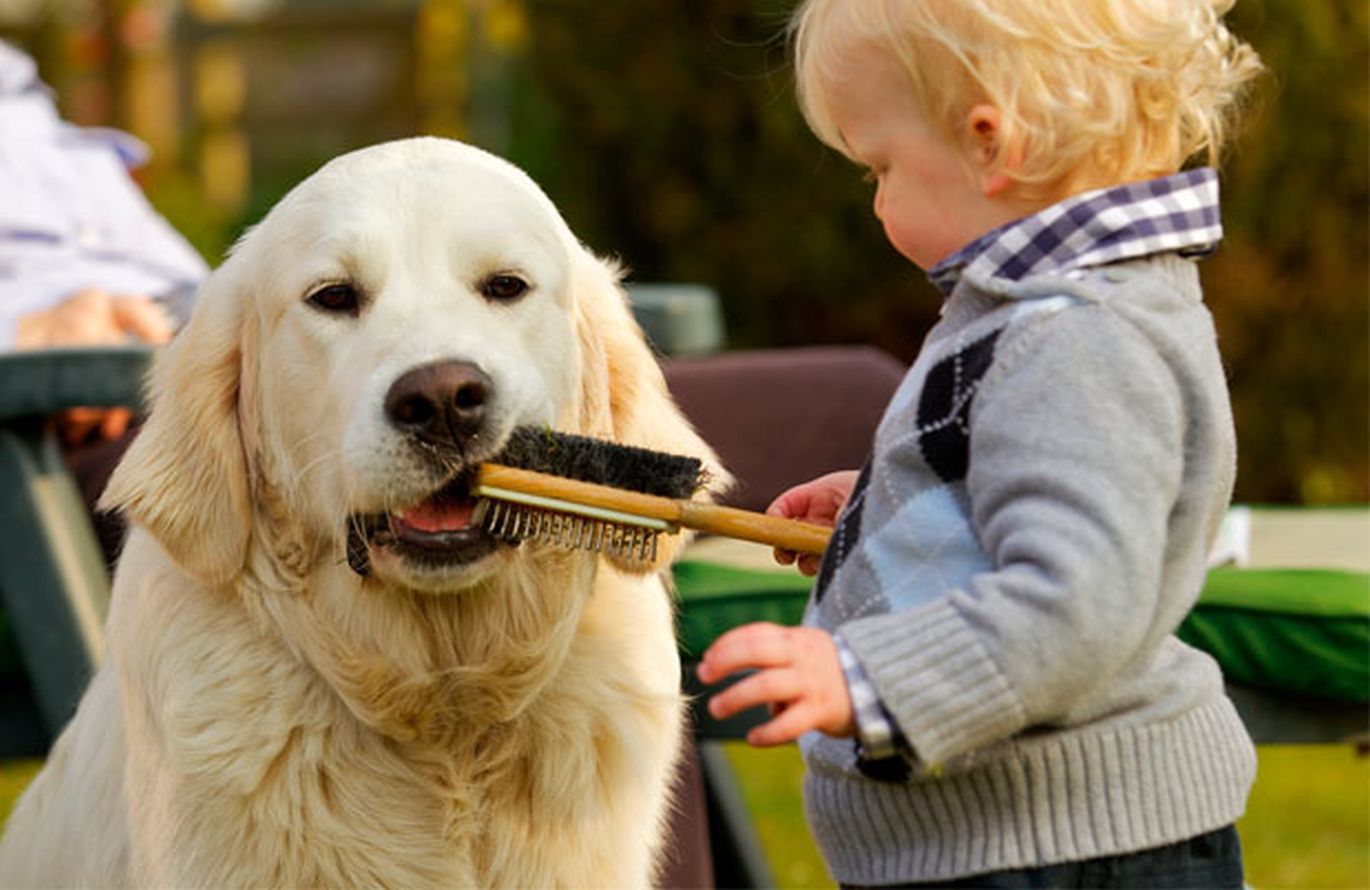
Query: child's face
{"type": "Point", "coordinates": [929, 198]}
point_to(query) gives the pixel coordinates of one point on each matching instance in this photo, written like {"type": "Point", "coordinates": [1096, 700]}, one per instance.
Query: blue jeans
{"type": "Point", "coordinates": [1212, 860]}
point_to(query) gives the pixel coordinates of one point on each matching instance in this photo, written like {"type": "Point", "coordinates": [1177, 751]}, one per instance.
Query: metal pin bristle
{"type": "Point", "coordinates": [516, 522]}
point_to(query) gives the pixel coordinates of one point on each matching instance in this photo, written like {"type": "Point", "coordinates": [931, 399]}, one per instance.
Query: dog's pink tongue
{"type": "Point", "coordinates": [439, 516]}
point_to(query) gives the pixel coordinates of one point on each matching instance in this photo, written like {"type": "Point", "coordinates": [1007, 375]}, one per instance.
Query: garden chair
{"type": "Point", "coordinates": [54, 585]}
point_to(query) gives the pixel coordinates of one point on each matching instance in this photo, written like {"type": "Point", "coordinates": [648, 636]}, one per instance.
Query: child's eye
{"type": "Point", "coordinates": [870, 176]}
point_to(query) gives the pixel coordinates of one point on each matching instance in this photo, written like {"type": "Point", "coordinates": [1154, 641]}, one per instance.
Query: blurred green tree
{"type": "Point", "coordinates": [1290, 288]}
{"type": "Point", "coordinates": [669, 135]}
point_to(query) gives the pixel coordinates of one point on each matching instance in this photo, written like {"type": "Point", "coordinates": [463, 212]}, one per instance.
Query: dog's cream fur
{"type": "Point", "coordinates": [269, 718]}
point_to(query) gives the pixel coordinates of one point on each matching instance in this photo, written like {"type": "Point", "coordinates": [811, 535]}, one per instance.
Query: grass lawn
{"type": "Point", "coordinates": [14, 777]}
{"type": "Point", "coordinates": [1307, 825]}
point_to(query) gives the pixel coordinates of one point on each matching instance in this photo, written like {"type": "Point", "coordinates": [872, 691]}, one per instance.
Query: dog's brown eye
{"type": "Point", "coordinates": [336, 298]}
{"type": "Point", "coordinates": [503, 287]}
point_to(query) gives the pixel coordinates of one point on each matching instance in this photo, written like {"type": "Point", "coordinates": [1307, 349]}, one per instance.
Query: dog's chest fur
{"type": "Point", "coordinates": [298, 764]}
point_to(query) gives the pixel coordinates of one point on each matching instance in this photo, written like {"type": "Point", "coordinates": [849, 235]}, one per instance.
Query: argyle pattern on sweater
{"type": "Point", "coordinates": [1178, 212]}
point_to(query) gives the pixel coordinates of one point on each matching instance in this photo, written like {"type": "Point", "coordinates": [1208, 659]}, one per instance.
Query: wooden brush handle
{"type": "Point", "coordinates": [789, 534]}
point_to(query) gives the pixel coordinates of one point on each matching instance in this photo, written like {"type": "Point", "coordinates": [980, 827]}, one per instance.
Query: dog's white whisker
{"type": "Point", "coordinates": [298, 478]}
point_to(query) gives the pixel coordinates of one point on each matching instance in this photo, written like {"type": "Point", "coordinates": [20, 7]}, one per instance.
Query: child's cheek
{"type": "Point", "coordinates": [899, 235]}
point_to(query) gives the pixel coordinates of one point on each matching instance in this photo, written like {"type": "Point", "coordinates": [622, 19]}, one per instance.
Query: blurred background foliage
{"type": "Point", "coordinates": [668, 134]}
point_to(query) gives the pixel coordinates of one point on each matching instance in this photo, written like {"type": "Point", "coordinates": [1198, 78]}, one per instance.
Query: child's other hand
{"type": "Point", "coordinates": [818, 501]}
{"type": "Point", "coordinates": [798, 674]}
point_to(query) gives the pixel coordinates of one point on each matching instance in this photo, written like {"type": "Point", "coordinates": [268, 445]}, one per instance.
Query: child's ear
{"type": "Point", "coordinates": [994, 152]}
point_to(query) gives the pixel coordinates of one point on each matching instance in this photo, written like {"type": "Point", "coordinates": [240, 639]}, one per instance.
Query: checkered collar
{"type": "Point", "coordinates": [1177, 212]}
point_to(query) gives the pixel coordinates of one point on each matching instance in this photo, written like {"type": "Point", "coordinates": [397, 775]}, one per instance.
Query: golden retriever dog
{"type": "Point", "coordinates": [456, 711]}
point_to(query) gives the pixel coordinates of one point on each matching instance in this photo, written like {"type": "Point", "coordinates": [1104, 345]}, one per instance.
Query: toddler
{"type": "Point", "coordinates": [987, 686]}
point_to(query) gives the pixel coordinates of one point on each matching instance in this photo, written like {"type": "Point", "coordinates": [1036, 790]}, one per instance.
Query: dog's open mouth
{"type": "Point", "coordinates": [442, 530]}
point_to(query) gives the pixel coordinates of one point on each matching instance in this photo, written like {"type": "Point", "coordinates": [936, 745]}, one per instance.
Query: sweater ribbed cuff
{"type": "Point", "coordinates": [936, 679]}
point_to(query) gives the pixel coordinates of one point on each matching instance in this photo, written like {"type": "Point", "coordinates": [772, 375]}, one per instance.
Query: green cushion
{"type": "Point", "coordinates": [1304, 631]}
{"type": "Point", "coordinates": [1295, 630]}
{"type": "Point", "coordinates": [717, 597]}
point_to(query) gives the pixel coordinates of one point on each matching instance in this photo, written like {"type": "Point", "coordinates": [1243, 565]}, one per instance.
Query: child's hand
{"type": "Point", "coordinates": [798, 675]}
{"type": "Point", "coordinates": [818, 501]}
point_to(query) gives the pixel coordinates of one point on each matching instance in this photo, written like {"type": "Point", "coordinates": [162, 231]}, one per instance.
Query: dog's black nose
{"type": "Point", "coordinates": [442, 403]}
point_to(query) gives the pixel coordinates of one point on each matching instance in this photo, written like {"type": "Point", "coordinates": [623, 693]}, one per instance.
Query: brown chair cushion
{"type": "Point", "coordinates": [785, 416]}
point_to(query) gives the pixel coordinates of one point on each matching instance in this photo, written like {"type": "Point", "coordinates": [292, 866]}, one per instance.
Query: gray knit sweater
{"type": "Point", "coordinates": [1009, 572]}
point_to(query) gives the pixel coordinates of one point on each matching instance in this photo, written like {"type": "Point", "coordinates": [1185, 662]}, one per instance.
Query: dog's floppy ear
{"type": "Point", "coordinates": [624, 395]}
{"type": "Point", "coordinates": [184, 478]}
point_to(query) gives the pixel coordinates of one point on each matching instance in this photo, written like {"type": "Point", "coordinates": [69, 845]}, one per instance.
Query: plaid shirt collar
{"type": "Point", "coordinates": [1177, 212]}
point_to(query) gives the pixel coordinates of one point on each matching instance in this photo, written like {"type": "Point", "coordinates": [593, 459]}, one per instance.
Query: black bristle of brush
{"type": "Point", "coordinates": [604, 463]}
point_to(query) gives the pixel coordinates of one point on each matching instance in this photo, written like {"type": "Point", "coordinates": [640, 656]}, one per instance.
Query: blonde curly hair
{"type": "Point", "coordinates": [1090, 92]}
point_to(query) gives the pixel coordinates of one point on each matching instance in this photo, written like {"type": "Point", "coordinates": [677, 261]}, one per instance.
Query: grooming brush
{"type": "Point", "coordinates": [595, 495]}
